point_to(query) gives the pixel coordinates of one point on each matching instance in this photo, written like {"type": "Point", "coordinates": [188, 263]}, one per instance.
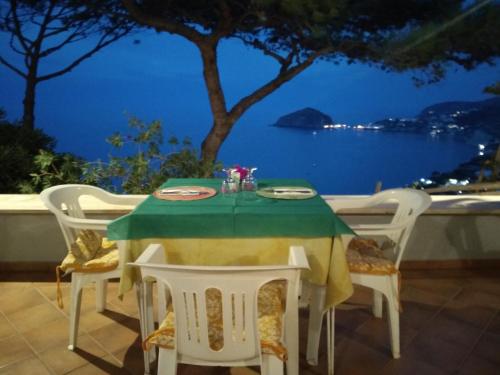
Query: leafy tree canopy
{"type": "Point", "coordinates": [423, 35]}
{"type": "Point", "coordinates": [39, 29]}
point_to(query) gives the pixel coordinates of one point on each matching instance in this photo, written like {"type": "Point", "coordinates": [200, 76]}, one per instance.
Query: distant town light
{"type": "Point", "coordinates": [481, 147]}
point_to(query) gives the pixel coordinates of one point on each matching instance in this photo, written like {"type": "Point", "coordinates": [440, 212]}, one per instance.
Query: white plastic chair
{"type": "Point", "coordinates": [239, 286]}
{"type": "Point", "coordinates": [64, 202]}
{"type": "Point", "coordinates": [410, 204]}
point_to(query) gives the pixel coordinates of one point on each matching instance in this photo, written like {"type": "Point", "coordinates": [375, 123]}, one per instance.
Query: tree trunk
{"type": "Point", "coordinates": [222, 124]}
{"type": "Point", "coordinates": [212, 143]}
{"type": "Point", "coordinates": [29, 102]}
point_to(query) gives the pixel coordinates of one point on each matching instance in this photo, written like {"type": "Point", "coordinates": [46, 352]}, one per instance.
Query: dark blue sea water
{"type": "Point", "coordinates": [345, 161]}
{"type": "Point", "coordinates": [334, 161]}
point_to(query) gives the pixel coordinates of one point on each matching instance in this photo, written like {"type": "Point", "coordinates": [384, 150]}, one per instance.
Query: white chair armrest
{"type": "Point", "coordinates": [122, 200]}
{"type": "Point", "coordinates": [94, 224]}
{"type": "Point", "coordinates": [297, 257]}
{"type": "Point", "coordinates": [154, 254]}
{"type": "Point", "coordinates": [371, 228]}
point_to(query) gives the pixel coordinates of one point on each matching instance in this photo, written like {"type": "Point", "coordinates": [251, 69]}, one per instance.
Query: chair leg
{"type": "Point", "coordinates": [77, 282]}
{"type": "Point", "coordinates": [148, 310]}
{"type": "Point", "coordinates": [292, 339]}
{"type": "Point", "coordinates": [393, 310]}
{"type": "Point", "coordinates": [377, 304]}
{"type": "Point", "coordinates": [143, 299]}
{"type": "Point", "coordinates": [330, 339]}
{"type": "Point", "coordinates": [167, 362]}
{"type": "Point", "coordinates": [101, 289]}
{"type": "Point", "coordinates": [271, 365]}
{"type": "Point", "coordinates": [162, 299]}
{"type": "Point", "coordinates": [316, 310]}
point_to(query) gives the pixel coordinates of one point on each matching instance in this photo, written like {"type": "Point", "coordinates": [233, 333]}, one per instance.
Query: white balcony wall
{"type": "Point", "coordinates": [453, 228]}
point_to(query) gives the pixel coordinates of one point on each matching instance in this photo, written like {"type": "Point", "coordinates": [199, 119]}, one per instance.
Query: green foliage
{"type": "Point", "coordinates": [53, 169]}
{"type": "Point", "coordinates": [18, 147]}
{"type": "Point", "coordinates": [146, 167]}
{"type": "Point", "coordinates": [29, 163]}
{"type": "Point", "coordinates": [493, 89]}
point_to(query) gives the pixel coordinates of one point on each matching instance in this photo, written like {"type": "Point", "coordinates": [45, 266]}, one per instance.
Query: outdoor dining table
{"type": "Point", "coordinates": [238, 229]}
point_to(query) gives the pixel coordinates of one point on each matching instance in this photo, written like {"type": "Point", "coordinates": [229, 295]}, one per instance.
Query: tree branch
{"type": "Point", "coordinates": [73, 37]}
{"type": "Point", "coordinates": [12, 67]}
{"type": "Point", "coordinates": [100, 44]}
{"type": "Point", "coordinates": [160, 23]}
{"type": "Point", "coordinates": [17, 26]}
{"type": "Point", "coordinates": [283, 76]}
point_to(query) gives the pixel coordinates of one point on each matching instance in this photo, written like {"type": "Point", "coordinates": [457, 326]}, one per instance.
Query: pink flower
{"type": "Point", "coordinates": [241, 171]}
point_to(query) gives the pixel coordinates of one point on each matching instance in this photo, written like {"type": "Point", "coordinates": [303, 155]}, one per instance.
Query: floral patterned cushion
{"type": "Point", "coordinates": [271, 302]}
{"type": "Point", "coordinates": [90, 253]}
{"type": "Point", "coordinates": [365, 256]}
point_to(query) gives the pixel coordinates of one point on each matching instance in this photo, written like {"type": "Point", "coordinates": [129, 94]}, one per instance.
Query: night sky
{"type": "Point", "coordinates": [160, 78]}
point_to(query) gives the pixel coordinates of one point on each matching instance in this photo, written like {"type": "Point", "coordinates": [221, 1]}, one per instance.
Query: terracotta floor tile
{"type": "Point", "coordinates": [485, 284]}
{"type": "Point", "coordinates": [407, 365]}
{"type": "Point", "coordinates": [6, 328]}
{"type": "Point", "coordinates": [11, 303]}
{"type": "Point", "coordinates": [416, 315]}
{"type": "Point", "coordinates": [26, 366]}
{"type": "Point", "coordinates": [49, 335]}
{"type": "Point", "coordinates": [8, 289]}
{"type": "Point", "coordinates": [375, 334]}
{"type": "Point", "coordinates": [431, 349]}
{"type": "Point", "coordinates": [61, 360]}
{"type": "Point", "coordinates": [451, 330]}
{"type": "Point", "coordinates": [446, 288]}
{"type": "Point", "coordinates": [350, 317]}
{"type": "Point", "coordinates": [132, 358]}
{"type": "Point", "coordinates": [13, 349]}
{"type": "Point", "coordinates": [475, 315]}
{"type": "Point", "coordinates": [430, 300]}
{"type": "Point", "coordinates": [494, 326]}
{"type": "Point", "coordinates": [97, 366]}
{"type": "Point", "coordinates": [117, 336]}
{"type": "Point", "coordinates": [445, 315]}
{"type": "Point", "coordinates": [49, 290]}
{"type": "Point", "coordinates": [488, 348]}
{"type": "Point", "coordinates": [35, 316]}
{"type": "Point", "coordinates": [348, 354]}
{"type": "Point", "coordinates": [475, 365]}
{"type": "Point", "coordinates": [91, 320]}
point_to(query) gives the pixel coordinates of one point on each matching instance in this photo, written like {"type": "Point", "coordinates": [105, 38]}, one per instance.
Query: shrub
{"type": "Point", "coordinates": [18, 147]}
{"type": "Point", "coordinates": [145, 167]}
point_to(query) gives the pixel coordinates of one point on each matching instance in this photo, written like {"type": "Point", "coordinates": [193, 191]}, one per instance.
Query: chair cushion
{"type": "Point", "coordinates": [91, 253]}
{"type": "Point", "coordinates": [365, 256]}
{"type": "Point", "coordinates": [271, 301]}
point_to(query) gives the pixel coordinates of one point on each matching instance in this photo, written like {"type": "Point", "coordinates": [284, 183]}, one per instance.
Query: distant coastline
{"type": "Point", "coordinates": [457, 118]}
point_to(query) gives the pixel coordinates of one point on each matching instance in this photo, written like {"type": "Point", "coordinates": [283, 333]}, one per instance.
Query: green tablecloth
{"type": "Point", "coordinates": [225, 217]}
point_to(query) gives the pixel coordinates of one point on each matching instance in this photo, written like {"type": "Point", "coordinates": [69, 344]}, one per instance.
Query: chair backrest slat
{"type": "Point", "coordinates": [238, 288]}
{"type": "Point", "coordinates": [411, 203]}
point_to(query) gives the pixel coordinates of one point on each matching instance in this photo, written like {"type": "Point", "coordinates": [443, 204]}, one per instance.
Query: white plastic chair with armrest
{"type": "Point", "coordinates": [238, 286]}
{"type": "Point", "coordinates": [410, 204]}
{"type": "Point", "coordinates": [64, 202]}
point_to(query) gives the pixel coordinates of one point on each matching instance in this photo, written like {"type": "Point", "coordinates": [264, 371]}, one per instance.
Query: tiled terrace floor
{"type": "Point", "coordinates": [450, 325]}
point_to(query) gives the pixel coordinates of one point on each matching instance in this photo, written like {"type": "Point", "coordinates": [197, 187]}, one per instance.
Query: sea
{"type": "Point", "coordinates": [336, 161]}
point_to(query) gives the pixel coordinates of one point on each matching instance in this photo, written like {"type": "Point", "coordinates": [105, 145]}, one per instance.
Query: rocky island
{"type": "Point", "coordinates": [307, 118]}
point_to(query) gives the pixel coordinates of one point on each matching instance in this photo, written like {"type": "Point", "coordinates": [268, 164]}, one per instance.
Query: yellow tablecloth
{"type": "Point", "coordinates": [326, 258]}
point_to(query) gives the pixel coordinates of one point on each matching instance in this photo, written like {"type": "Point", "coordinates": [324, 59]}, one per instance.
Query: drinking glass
{"type": "Point", "coordinates": [229, 185]}
{"type": "Point", "coordinates": [249, 183]}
